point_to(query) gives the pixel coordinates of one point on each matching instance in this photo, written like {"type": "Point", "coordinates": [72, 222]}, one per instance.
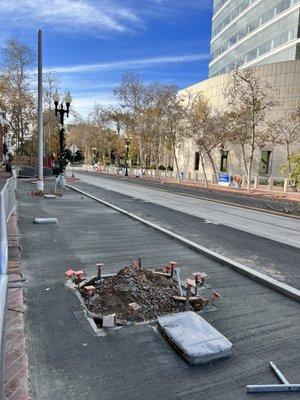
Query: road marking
{"type": "Point", "coordinates": [265, 280]}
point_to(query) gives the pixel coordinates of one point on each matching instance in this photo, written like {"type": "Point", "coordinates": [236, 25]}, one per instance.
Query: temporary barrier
{"type": "Point", "coordinates": [7, 196]}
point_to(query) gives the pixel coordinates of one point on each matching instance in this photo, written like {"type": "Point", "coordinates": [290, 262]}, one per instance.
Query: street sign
{"type": "Point", "coordinates": [224, 179]}
{"type": "Point", "coordinates": [74, 149]}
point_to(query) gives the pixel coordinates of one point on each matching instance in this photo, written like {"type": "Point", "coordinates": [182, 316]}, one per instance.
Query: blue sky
{"type": "Point", "coordinates": [91, 42]}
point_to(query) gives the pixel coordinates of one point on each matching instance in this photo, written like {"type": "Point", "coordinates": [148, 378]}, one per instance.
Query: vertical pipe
{"type": "Point", "coordinates": [40, 182]}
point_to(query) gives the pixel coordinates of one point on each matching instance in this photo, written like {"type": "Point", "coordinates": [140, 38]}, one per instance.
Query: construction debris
{"type": "Point", "coordinates": [284, 386]}
{"type": "Point", "coordinates": [136, 294]}
{"type": "Point", "coordinates": [109, 321]}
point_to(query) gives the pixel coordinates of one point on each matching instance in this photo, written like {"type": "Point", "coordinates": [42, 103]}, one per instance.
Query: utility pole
{"type": "Point", "coordinates": [40, 181]}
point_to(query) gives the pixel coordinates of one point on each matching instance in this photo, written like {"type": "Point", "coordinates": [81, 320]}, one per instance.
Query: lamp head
{"type": "Point", "coordinates": [68, 98]}
{"type": "Point", "coordinates": [56, 97]}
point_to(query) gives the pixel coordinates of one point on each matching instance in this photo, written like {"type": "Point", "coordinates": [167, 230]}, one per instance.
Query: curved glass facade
{"type": "Point", "coordinates": [251, 31]}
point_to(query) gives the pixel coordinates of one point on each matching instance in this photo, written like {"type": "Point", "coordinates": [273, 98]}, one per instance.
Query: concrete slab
{"type": "Point", "coordinates": [68, 361]}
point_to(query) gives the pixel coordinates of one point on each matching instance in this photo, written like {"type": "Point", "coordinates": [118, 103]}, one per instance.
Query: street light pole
{"type": "Point", "coordinates": [40, 181]}
{"type": "Point", "coordinates": [62, 112]}
{"type": "Point", "coordinates": [127, 145]}
{"type": "Point", "coordinates": [3, 144]}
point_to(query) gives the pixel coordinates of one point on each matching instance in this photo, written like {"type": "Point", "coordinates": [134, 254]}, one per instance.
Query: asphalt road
{"type": "Point", "coordinates": [272, 257]}
{"type": "Point", "coordinates": [67, 361]}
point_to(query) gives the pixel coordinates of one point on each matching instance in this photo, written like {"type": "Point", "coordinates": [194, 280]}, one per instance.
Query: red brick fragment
{"type": "Point", "coordinates": [190, 283]}
{"type": "Point", "coordinates": [70, 273]}
{"type": "Point", "coordinates": [89, 290]}
{"type": "Point", "coordinates": [79, 275]}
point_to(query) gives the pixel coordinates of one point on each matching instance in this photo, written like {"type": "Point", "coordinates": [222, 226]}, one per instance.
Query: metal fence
{"type": "Point", "coordinates": [31, 172]}
{"type": "Point", "coordinates": [7, 204]}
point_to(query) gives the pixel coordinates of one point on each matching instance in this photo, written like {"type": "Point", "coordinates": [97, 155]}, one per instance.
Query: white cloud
{"type": "Point", "coordinates": [96, 17]}
{"type": "Point", "coordinates": [127, 64]}
{"type": "Point", "coordinates": [77, 15]}
{"type": "Point", "coordinates": [85, 103]}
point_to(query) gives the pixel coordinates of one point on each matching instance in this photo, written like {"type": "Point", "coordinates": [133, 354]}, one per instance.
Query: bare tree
{"type": "Point", "coordinates": [174, 121]}
{"type": "Point", "coordinates": [19, 102]}
{"type": "Point", "coordinates": [249, 102]}
{"type": "Point", "coordinates": [133, 97]}
{"type": "Point", "coordinates": [286, 131]}
{"type": "Point", "coordinates": [110, 124]}
{"type": "Point", "coordinates": [207, 130]}
{"type": "Point", "coordinates": [51, 82]}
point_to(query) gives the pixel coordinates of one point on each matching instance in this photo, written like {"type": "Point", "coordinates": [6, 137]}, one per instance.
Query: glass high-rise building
{"type": "Point", "coordinates": [253, 32]}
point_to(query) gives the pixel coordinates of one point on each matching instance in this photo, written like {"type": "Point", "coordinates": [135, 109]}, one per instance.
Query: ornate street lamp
{"type": "Point", "coordinates": [62, 111]}
{"type": "Point", "coordinates": [127, 145]}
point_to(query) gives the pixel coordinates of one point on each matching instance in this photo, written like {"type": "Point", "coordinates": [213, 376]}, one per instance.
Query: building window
{"type": "Point", "coordinates": [224, 161]}
{"type": "Point", "coordinates": [264, 165]}
{"type": "Point", "coordinates": [197, 160]}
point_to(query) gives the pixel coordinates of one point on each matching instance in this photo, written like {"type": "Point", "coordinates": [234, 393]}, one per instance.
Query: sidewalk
{"type": "Point", "coordinates": [68, 361]}
{"type": "Point", "coordinates": [15, 362]}
{"type": "Point", "coordinates": [3, 178]}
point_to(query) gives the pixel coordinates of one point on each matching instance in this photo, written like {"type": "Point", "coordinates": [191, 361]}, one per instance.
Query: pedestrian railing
{"type": "Point", "coordinates": [31, 172]}
{"type": "Point", "coordinates": [7, 203]}
{"type": "Point", "coordinates": [267, 183]}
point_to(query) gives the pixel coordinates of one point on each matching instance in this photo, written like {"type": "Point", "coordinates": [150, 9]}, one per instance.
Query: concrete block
{"type": "Point", "coordinates": [109, 321]}
{"type": "Point", "coordinates": [45, 221]}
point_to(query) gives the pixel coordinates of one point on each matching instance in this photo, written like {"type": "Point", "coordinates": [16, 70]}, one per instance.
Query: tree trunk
{"type": "Point", "coordinates": [176, 162]}
{"type": "Point", "coordinates": [203, 169]}
{"type": "Point", "coordinates": [140, 152]}
{"type": "Point", "coordinates": [251, 154]}
{"type": "Point", "coordinates": [212, 162]}
{"type": "Point", "coordinates": [158, 159]}
{"type": "Point", "coordinates": [288, 157]}
{"type": "Point", "coordinates": [244, 159]}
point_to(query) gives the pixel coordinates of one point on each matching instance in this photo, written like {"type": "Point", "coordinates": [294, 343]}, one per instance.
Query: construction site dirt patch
{"type": "Point", "coordinates": [152, 292]}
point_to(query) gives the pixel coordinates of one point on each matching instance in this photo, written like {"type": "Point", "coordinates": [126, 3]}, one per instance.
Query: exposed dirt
{"type": "Point", "coordinates": [133, 284]}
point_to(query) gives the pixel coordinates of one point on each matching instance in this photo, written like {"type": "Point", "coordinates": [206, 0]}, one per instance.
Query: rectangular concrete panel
{"type": "Point", "coordinates": [195, 339]}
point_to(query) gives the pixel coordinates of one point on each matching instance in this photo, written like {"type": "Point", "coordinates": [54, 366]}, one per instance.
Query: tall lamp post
{"type": "Point", "coordinates": [62, 111]}
{"type": "Point", "coordinates": [127, 145]}
{"type": "Point", "coordinates": [3, 132]}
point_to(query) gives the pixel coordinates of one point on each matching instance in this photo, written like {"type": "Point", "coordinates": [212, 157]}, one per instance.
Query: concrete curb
{"type": "Point", "coordinates": [265, 280]}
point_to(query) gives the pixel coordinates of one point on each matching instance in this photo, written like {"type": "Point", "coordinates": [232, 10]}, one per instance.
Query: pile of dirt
{"type": "Point", "coordinates": [132, 284]}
